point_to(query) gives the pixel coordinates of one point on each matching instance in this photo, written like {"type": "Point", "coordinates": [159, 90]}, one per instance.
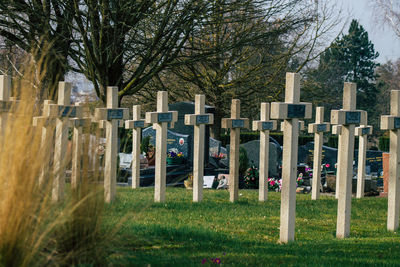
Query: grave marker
{"type": "Point", "coordinates": [199, 121]}
{"type": "Point", "coordinates": [234, 124]}
{"type": "Point", "coordinates": [5, 94]}
{"type": "Point", "coordinates": [160, 121]}
{"type": "Point", "coordinates": [347, 117]}
{"type": "Point", "coordinates": [392, 122]}
{"type": "Point", "coordinates": [290, 111]}
{"type": "Point", "coordinates": [264, 125]}
{"type": "Point", "coordinates": [81, 129]}
{"type": "Point", "coordinates": [337, 130]}
{"type": "Point", "coordinates": [362, 132]}
{"type": "Point", "coordinates": [318, 128]}
{"type": "Point", "coordinates": [112, 115]}
{"type": "Point", "coordinates": [136, 124]}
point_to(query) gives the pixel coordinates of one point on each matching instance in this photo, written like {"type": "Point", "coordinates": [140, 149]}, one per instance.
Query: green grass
{"type": "Point", "coordinates": [181, 233]}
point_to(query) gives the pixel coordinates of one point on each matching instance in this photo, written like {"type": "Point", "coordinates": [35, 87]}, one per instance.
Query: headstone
{"type": "Point", "coordinates": [264, 125]}
{"type": "Point", "coordinates": [136, 125]}
{"type": "Point", "coordinates": [290, 111]}
{"type": "Point", "coordinates": [80, 145]}
{"type": "Point", "coordinates": [392, 122]}
{"type": "Point", "coordinates": [318, 128]}
{"type": "Point", "coordinates": [160, 120]}
{"type": "Point", "coordinates": [214, 147]}
{"type": "Point", "coordinates": [111, 115]}
{"type": "Point", "coordinates": [235, 123]}
{"type": "Point", "coordinates": [362, 132]}
{"type": "Point", "coordinates": [184, 108]}
{"type": "Point", "coordinates": [199, 120]}
{"type": "Point", "coordinates": [63, 111]}
{"type": "Point", "coordinates": [46, 125]}
{"type": "Point", "coordinates": [253, 154]}
{"type": "Point", "coordinates": [347, 117]}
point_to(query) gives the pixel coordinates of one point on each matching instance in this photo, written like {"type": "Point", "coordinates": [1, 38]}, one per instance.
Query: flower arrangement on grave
{"type": "Point", "coordinates": [274, 184]}
{"type": "Point", "coordinates": [189, 181]}
{"type": "Point", "coordinates": [219, 156]}
{"type": "Point", "coordinates": [174, 157]}
{"type": "Point", "coordinates": [300, 179]}
{"type": "Point", "coordinates": [251, 177]}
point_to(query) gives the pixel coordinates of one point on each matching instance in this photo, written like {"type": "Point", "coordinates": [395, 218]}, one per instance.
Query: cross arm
{"type": "Point", "coordinates": [363, 130]}
{"type": "Point", "coordinates": [109, 114]}
{"type": "Point", "coordinates": [336, 129]}
{"type": "Point", "coordinates": [318, 127]}
{"type": "Point", "coordinates": [56, 111]}
{"type": "Point", "coordinates": [390, 122]}
{"type": "Point", "coordinates": [197, 119]}
{"type": "Point", "coordinates": [133, 124]}
{"type": "Point", "coordinates": [43, 121]}
{"type": "Point", "coordinates": [346, 117]}
{"type": "Point", "coordinates": [228, 123]}
{"type": "Point", "coordinates": [284, 111]}
{"type": "Point", "coordinates": [85, 122]}
{"type": "Point", "coordinates": [264, 125]}
{"type": "Point", "coordinates": [301, 126]}
{"type": "Point", "coordinates": [159, 117]}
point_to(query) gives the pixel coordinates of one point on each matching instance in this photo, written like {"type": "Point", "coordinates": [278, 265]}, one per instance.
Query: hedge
{"type": "Point", "coordinates": [384, 143]}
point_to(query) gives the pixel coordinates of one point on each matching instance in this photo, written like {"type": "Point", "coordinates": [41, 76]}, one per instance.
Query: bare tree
{"type": "Point", "coordinates": [388, 12]}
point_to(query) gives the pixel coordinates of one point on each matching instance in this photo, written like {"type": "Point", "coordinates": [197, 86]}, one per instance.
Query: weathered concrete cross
{"type": "Point", "coordinates": [392, 122]}
{"type": "Point", "coordinates": [5, 103]}
{"type": "Point", "coordinates": [264, 125]}
{"type": "Point", "coordinates": [160, 120]}
{"type": "Point", "coordinates": [347, 117]}
{"type": "Point", "coordinates": [362, 132]}
{"type": "Point", "coordinates": [136, 124]}
{"type": "Point", "coordinates": [290, 111]}
{"type": "Point", "coordinates": [318, 128]}
{"type": "Point", "coordinates": [199, 121]}
{"type": "Point", "coordinates": [301, 126]}
{"type": "Point", "coordinates": [112, 115]}
{"type": "Point", "coordinates": [62, 112]}
{"type": "Point", "coordinates": [234, 123]}
{"type": "Point", "coordinates": [80, 148]}
{"type": "Point", "coordinates": [337, 130]}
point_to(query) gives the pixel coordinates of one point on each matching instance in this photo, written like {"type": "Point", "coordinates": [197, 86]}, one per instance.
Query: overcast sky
{"type": "Point", "coordinates": [383, 38]}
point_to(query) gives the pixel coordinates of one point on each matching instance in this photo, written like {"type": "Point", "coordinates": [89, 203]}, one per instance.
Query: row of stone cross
{"type": "Point", "coordinates": [290, 111]}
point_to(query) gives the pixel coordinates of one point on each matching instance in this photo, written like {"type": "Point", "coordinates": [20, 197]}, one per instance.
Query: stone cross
{"type": "Point", "coordinates": [392, 122]}
{"type": "Point", "coordinates": [318, 128]}
{"type": "Point", "coordinates": [47, 125]}
{"type": "Point", "coordinates": [62, 112]}
{"type": "Point", "coordinates": [336, 130]}
{"type": "Point", "coordinates": [81, 128]}
{"type": "Point", "coordinates": [5, 93]}
{"type": "Point", "coordinates": [264, 125]}
{"type": "Point", "coordinates": [136, 124]}
{"type": "Point", "coordinates": [301, 126]}
{"type": "Point", "coordinates": [362, 132]}
{"type": "Point", "coordinates": [199, 121]}
{"type": "Point", "coordinates": [160, 120]}
{"type": "Point", "coordinates": [347, 117]}
{"type": "Point", "coordinates": [112, 115]}
{"type": "Point", "coordinates": [290, 111]}
{"type": "Point", "coordinates": [234, 123]}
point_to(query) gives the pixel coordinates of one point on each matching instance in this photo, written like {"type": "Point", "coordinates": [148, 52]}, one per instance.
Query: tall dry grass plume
{"type": "Point", "coordinates": [35, 230]}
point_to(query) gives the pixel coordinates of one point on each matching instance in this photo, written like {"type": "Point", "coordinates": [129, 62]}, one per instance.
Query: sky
{"type": "Point", "coordinates": [383, 37]}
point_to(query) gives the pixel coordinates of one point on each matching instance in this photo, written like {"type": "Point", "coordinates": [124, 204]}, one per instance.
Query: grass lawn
{"type": "Point", "coordinates": [181, 233]}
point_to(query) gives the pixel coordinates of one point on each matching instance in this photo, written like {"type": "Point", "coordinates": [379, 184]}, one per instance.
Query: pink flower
{"type": "Point", "coordinates": [272, 183]}
{"type": "Point", "coordinates": [327, 165]}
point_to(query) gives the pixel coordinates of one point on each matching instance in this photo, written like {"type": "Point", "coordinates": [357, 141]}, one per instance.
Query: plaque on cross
{"type": "Point", "coordinates": [136, 124]}
{"type": "Point", "coordinates": [318, 128]}
{"type": "Point", "coordinates": [290, 111]}
{"type": "Point", "coordinates": [264, 125]}
{"type": "Point", "coordinates": [235, 123]}
{"type": "Point", "coordinates": [392, 122]}
{"type": "Point", "coordinates": [198, 120]}
{"type": "Point", "coordinates": [160, 121]}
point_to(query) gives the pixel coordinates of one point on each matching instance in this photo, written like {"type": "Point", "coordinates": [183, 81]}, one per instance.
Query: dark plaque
{"type": "Point", "coordinates": [202, 119]}
{"type": "Point", "coordinates": [365, 131]}
{"type": "Point", "coordinates": [138, 124]}
{"type": "Point", "coordinates": [321, 128]}
{"type": "Point", "coordinates": [353, 117]}
{"type": "Point", "coordinates": [267, 125]}
{"type": "Point", "coordinates": [165, 117]}
{"type": "Point", "coordinates": [115, 114]}
{"type": "Point", "coordinates": [67, 111]}
{"type": "Point", "coordinates": [237, 123]}
{"type": "Point", "coordinates": [5, 106]}
{"type": "Point", "coordinates": [296, 111]}
{"type": "Point", "coordinates": [397, 123]}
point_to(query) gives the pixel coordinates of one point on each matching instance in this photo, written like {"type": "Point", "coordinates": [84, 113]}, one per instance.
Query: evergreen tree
{"type": "Point", "coordinates": [350, 58]}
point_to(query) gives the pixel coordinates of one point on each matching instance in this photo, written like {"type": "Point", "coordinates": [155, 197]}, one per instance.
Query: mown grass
{"type": "Point", "coordinates": [246, 233]}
